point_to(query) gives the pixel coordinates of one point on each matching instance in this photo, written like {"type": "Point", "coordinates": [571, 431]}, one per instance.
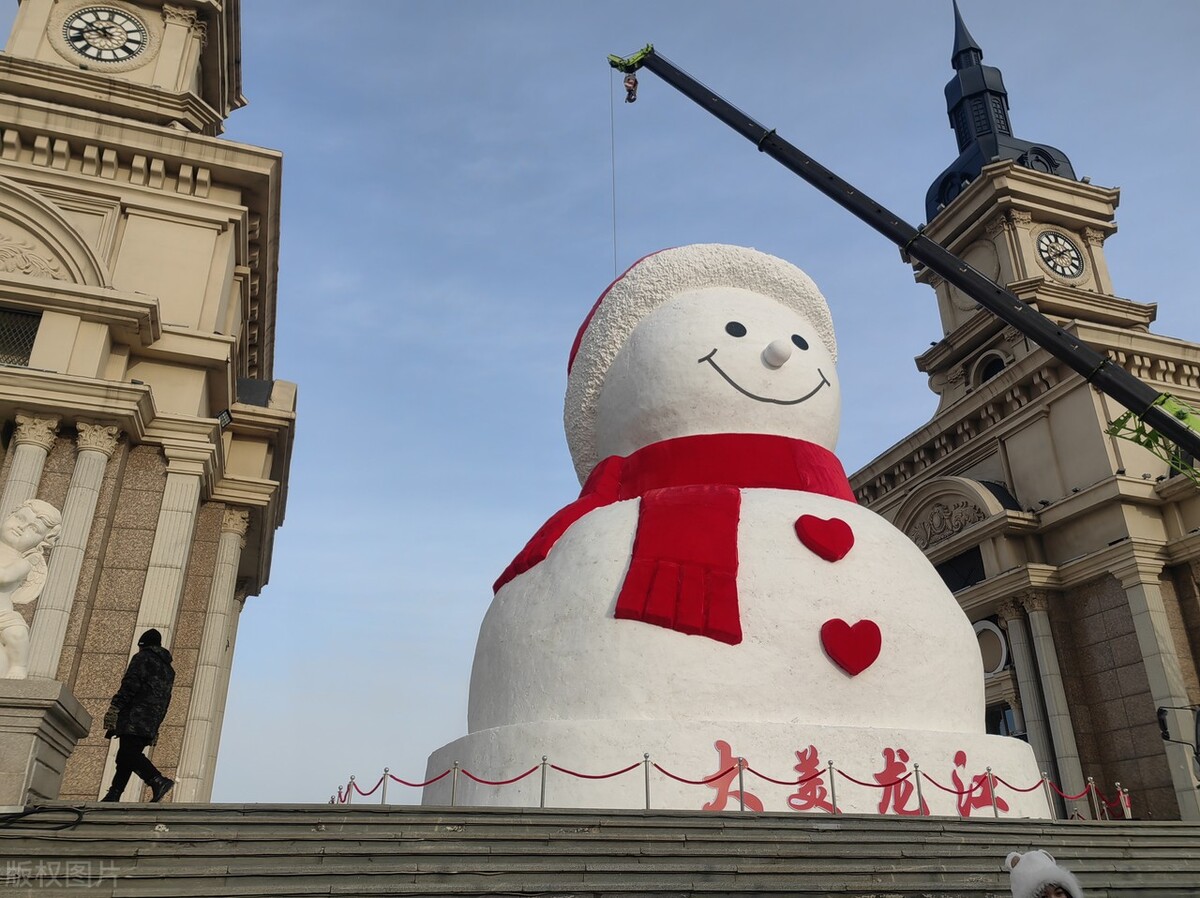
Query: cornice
{"type": "Point", "coordinates": [1066, 302]}
{"type": "Point", "coordinates": [133, 317]}
{"type": "Point", "coordinates": [255, 492]}
{"type": "Point", "coordinates": [987, 596]}
{"type": "Point", "coordinates": [960, 342]}
{"type": "Point", "coordinates": [1185, 548]}
{"type": "Point", "coordinates": [277, 426]}
{"type": "Point", "coordinates": [1129, 560]}
{"type": "Point", "coordinates": [1007, 187]}
{"type": "Point", "coordinates": [103, 93]}
{"type": "Point", "coordinates": [129, 406]}
{"type": "Point", "coordinates": [231, 162]}
{"type": "Point", "coordinates": [1116, 489]}
{"type": "Point", "coordinates": [191, 445]}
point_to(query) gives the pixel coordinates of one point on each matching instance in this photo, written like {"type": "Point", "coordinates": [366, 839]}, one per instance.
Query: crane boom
{"type": "Point", "coordinates": [1161, 412]}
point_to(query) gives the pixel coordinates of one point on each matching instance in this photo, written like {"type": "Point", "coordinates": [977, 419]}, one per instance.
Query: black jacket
{"type": "Point", "coordinates": [145, 693]}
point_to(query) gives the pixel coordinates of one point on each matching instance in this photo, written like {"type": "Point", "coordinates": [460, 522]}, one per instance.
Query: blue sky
{"type": "Point", "coordinates": [448, 221]}
{"type": "Point", "coordinates": [448, 199]}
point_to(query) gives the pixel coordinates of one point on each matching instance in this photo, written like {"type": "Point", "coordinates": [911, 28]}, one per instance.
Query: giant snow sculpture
{"type": "Point", "coordinates": [715, 592]}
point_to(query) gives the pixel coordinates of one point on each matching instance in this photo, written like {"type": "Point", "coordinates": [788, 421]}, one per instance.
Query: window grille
{"type": "Point", "coordinates": [17, 333]}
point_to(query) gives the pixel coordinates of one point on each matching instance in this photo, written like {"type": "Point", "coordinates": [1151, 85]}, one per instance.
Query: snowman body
{"type": "Point", "coordinates": [551, 649]}
{"type": "Point", "coordinates": [849, 648]}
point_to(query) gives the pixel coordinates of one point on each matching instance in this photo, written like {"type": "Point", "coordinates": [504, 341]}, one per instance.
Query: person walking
{"type": "Point", "coordinates": [135, 714]}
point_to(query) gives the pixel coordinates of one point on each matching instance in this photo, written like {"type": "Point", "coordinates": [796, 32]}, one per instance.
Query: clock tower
{"type": "Point", "coordinates": [1075, 554]}
{"type": "Point", "coordinates": [172, 64]}
{"type": "Point", "coordinates": [138, 265]}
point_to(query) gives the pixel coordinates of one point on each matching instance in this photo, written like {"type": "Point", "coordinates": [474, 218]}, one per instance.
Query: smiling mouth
{"type": "Point", "coordinates": [729, 380]}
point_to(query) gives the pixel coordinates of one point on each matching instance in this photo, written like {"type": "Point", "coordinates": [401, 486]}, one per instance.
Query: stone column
{"type": "Point", "coordinates": [214, 735]}
{"type": "Point", "coordinates": [34, 438]}
{"type": "Point", "coordinates": [194, 781]}
{"type": "Point", "coordinates": [96, 443]}
{"type": "Point", "coordinates": [1028, 685]}
{"type": "Point", "coordinates": [164, 581]}
{"type": "Point", "coordinates": [1058, 711]}
{"type": "Point", "coordinates": [1167, 687]}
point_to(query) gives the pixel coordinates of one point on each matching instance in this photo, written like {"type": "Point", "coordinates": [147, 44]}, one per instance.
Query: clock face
{"type": "Point", "coordinates": [104, 34]}
{"type": "Point", "coordinates": [1059, 254]}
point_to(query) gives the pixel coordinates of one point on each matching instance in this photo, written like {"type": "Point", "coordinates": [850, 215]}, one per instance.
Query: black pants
{"type": "Point", "coordinates": [131, 760]}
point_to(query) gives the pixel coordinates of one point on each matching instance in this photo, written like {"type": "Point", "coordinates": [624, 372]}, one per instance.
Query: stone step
{"type": "Point", "coordinates": [293, 850]}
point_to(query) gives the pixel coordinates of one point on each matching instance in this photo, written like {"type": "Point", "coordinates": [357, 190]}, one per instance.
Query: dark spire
{"type": "Point", "coordinates": [966, 52]}
{"type": "Point", "coordinates": [977, 104]}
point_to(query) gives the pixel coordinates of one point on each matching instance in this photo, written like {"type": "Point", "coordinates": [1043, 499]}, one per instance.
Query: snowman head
{"type": "Point", "coordinates": [702, 339]}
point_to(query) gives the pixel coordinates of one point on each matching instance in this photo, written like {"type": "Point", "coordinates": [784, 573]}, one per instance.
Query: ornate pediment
{"type": "Point", "coordinates": [942, 520]}
{"type": "Point", "coordinates": [20, 255]}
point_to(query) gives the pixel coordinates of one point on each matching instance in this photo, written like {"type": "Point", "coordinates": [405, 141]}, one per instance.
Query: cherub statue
{"type": "Point", "coordinates": [25, 535]}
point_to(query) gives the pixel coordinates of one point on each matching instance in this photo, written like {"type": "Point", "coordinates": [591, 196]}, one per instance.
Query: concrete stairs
{"type": "Point", "coordinates": [288, 851]}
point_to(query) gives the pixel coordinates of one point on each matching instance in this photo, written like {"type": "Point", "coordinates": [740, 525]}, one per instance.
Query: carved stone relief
{"type": "Point", "coordinates": [21, 257]}
{"type": "Point", "coordinates": [943, 521]}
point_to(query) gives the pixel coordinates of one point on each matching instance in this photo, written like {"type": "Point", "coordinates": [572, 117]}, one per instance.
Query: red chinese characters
{"type": "Point", "coordinates": [724, 783]}
{"type": "Point", "coordinates": [811, 793]}
{"type": "Point", "coordinates": [976, 795]}
{"type": "Point", "coordinates": [898, 790]}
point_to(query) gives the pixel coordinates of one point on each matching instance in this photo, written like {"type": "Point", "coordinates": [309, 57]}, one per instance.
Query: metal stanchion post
{"type": "Point", "coordinates": [454, 786]}
{"type": "Point", "coordinates": [646, 770]}
{"type": "Point", "coordinates": [992, 790]}
{"type": "Point", "coordinates": [350, 790]}
{"type": "Point", "coordinates": [833, 789]}
{"type": "Point", "coordinates": [741, 784]}
{"type": "Point", "coordinates": [386, 775]}
{"type": "Point", "coordinates": [542, 803]}
{"type": "Point", "coordinates": [1091, 788]}
{"type": "Point", "coordinates": [920, 799]}
{"type": "Point", "coordinates": [1126, 805]}
{"type": "Point", "coordinates": [1049, 796]}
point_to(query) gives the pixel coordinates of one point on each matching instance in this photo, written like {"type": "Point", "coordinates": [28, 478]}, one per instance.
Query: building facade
{"type": "Point", "coordinates": [1076, 554]}
{"type": "Point", "coordinates": [138, 259]}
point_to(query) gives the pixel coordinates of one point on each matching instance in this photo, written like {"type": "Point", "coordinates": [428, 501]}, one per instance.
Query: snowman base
{"type": "Point", "coordinates": [874, 769]}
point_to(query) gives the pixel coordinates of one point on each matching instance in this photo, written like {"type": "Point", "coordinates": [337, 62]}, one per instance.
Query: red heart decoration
{"type": "Point", "coordinates": [831, 539]}
{"type": "Point", "coordinates": [853, 649]}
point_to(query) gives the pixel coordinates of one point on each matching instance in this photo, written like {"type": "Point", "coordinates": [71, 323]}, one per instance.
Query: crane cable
{"type": "Point", "coordinates": [612, 135]}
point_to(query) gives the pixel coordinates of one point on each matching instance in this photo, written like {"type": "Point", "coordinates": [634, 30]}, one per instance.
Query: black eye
{"type": "Point", "coordinates": [800, 342]}
{"type": "Point", "coordinates": [735, 329]}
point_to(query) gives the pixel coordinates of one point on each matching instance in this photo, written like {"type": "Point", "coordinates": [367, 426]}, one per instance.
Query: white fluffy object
{"type": "Point", "coordinates": [648, 284]}
{"type": "Point", "coordinates": [1035, 871]}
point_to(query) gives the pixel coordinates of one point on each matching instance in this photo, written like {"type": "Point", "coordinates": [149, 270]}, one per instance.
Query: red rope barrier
{"type": "Point", "coordinates": [977, 785]}
{"type": "Point", "coordinates": [419, 785]}
{"type": "Point", "coordinates": [469, 775]}
{"type": "Point", "coordinates": [705, 782]}
{"type": "Point", "coordinates": [1062, 794]}
{"type": "Point", "coordinates": [787, 782]}
{"type": "Point", "coordinates": [595, 776]}
{"type": "Point", "coordinates": [358, 788]}
{"type": "Point", "coordinates": [874, 785]}
{"type": "Point", "coordinates": [1036, 785]}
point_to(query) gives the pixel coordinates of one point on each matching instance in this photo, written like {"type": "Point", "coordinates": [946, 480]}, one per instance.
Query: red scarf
{"type": "Point", "coordinates": [683, 573]}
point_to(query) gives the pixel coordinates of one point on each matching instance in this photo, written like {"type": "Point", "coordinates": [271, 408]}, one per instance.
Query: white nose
{"type": "Point", "coordinates": [777, 352]}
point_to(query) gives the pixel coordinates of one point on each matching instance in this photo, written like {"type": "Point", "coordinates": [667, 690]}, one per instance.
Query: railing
{"type": "Point", "coordinates": [1118, 808]}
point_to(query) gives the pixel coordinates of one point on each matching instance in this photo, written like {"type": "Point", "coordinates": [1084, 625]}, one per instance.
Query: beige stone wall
{"type": "Point", "coordinates": [1183, 632]}
{"type": "Point", "coordinates": [1109, 693]}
